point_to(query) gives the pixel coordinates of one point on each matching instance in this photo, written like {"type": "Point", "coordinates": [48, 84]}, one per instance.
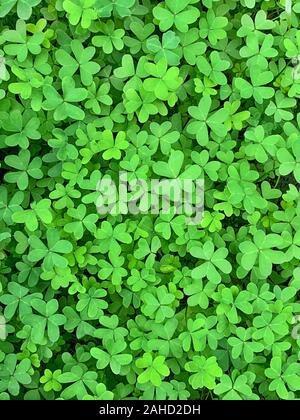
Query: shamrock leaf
{"type": "Point", "coordinates": [261, 251]}
{"type": "Point", "coordinates": [113, 146]}
{"type": "Point", "coordinates": [24, 7]}
{"type": "Point", "coordinates": [113, 38]}
{"type": "Point", "coordinates": [82, 61]}
{"type": "Point", "coordinates": [119, 7]}
{"type": "Point", "coordinates": [165, 49]}
{"type": "Point", "coordinates": [158, 305]}
{"type": "Point", "coordinates": [281, 380]}
{"type": "Point", "coordinates": [290, 162]}
{"type": "Point", "coordinates": [202, 119]}
{"type": "Point", "coordinates": [81, 382]}
{"type": "Point", "coordinates": [50, 254]}
{"type": "Point", "coordinates": [234, 389]}
{"type": "Point", "coordinates": [155, 369]}
{"type": "Point", "coordinates": [113, 357]}
{"type": "Point", "coordinates": [63, 105]}
{"type": "Point", "coordinates": [47, 323]}
{"type": "Point", "coordinates": [215, 260]}
{"type": "Point", "coordinates": [82, 11]}
{"type": "Point", "coordinates": [164, 82]}
{"type": "Point", "coordinates": [257, 87]}
{"type": "Point", "coordinates": [212, 27]}
{"type": "Point", "coordinates": [25, 169]}
{"type": "Point", "coordinates": [20, 44]}
{"type": "Point", "coordinates": [176, 12]}
{"type": "Point", "coordinates": [14, 373]}
{"type": "Point", "coordinates": [40, 211]}
{"type": "Point", "coordinates": [205, 371]}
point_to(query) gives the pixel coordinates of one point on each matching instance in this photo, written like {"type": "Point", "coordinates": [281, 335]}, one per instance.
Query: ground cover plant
{"type": "Point", "coordinates": [147, 306]}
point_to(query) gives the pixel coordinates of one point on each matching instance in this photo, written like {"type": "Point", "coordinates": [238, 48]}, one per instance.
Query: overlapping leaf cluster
{"type": "Point", "coordinates": [146, 306]}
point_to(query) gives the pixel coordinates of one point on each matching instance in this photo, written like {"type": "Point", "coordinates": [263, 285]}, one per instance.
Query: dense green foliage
{"type": "Point", "coordinates": [145, 306]}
